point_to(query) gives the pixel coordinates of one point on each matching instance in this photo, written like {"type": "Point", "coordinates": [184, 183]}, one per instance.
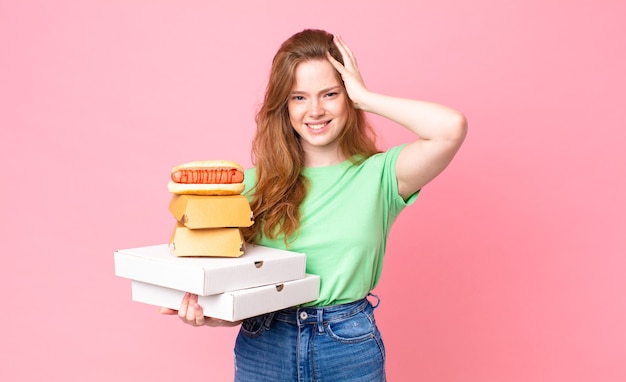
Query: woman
{"type": "Point", "coordinates": [321, 187]}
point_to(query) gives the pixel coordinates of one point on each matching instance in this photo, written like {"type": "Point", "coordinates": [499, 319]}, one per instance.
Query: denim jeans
{"type": "Point", "coordinates": [312, 344]}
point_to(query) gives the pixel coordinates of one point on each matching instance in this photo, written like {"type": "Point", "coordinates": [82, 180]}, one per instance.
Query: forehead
{"type": "Point", "coordinates": [314, 75]}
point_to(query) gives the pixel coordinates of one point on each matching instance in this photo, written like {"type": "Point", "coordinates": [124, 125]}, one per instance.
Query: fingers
{"type": "Point", "coordinates": [191, 308]}
{"type": "Point", "coordinates": [349, 60]}
{"type": "Point", "coordinates": [349, 70]}
{"type": "Point", "coordinates": [336, 64]}
{"type": "Point", "coordinates": [198, 314]}
{"type": "Point", "coordinates": [192, 313]}
{"type": "Point", "coordinates": [182, 311]}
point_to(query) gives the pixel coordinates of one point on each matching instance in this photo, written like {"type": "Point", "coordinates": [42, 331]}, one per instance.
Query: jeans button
{"type": "Point", "coordinates": [303, 315]}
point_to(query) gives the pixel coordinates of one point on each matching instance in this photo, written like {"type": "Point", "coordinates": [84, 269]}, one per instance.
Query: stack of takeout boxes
{"type": "Point", "coordinates": [262, 280]}
{"type": "Point", "coordinates": [206, 256]}
{"type": "Point", "coordinates": [209, 225]}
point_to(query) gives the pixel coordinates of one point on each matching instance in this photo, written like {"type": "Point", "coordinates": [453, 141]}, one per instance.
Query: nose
{"type": "Point", "coordinates": [316, 109]}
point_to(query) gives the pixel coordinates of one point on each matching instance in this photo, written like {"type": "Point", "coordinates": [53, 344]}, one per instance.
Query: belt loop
{"type": "Point", "coordinates": [320, 320]}
{"type": "Point", "coordinates": [377, 300]}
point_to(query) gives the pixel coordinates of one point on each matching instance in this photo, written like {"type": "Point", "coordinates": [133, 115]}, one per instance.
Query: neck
{"type": "Point", "coordinates": [322, 158]}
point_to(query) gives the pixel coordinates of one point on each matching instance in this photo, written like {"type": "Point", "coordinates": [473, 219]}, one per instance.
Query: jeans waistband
{"type": "Point", "coordinates": [319, 314]}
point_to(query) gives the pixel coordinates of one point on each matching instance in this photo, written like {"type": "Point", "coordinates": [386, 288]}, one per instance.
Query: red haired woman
{"type": "Point", "coordinates": [320, 186]}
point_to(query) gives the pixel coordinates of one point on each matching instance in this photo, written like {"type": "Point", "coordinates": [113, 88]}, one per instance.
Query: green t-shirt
{"type": "Point", "coordinates": [345, 220]}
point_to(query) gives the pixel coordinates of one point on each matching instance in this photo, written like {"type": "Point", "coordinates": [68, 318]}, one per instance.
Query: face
{"type": "Point", "coordinates": [317, 108]}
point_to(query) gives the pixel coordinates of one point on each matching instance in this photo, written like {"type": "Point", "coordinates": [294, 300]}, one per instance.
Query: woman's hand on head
{"type": "Point", "coordinates": [191, 313]}
{"type": "Point", "coordinates": [349, 72]}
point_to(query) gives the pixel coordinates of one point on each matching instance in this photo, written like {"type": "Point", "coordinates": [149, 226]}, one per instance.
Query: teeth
{"type": "Point", "coordinates": [316, 126]}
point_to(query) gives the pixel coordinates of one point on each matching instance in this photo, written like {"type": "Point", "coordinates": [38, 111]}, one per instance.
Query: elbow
{"type": "Point", "coordinates": [462, 125]}
{"type": "Point", "coordinates": [456, 127]}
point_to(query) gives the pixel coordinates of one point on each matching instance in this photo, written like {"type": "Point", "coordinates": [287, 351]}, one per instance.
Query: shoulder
{"type": "Point", "coordinates": [383, 160]}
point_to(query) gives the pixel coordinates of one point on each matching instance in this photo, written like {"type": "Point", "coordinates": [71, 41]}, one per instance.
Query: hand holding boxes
{"type": "Point", "coordinates": [260, 281]}
{"type": "Point", "coordinates": [207, 256]}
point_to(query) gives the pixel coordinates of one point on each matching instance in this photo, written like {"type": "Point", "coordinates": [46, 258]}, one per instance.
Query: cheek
{"type": "Point", "coordinates": [290, 113]}
{"type": "Point", "coordinates": [295, 112]}
{"type": "Point", "coordinates": [337, 107]}
{"type": "Point", "coordinates": [340, 111]}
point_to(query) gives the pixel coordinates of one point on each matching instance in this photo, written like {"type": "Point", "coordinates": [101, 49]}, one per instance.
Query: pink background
{"type": "Point", "coordinates": [510, 267]}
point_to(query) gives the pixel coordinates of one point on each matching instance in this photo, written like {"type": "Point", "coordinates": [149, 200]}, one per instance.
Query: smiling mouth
{"type": "Point", "coordinates": [317, 126]}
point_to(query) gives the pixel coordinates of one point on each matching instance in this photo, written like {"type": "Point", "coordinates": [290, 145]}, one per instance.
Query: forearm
{"type": "Point", "coordinates": [427, 120]}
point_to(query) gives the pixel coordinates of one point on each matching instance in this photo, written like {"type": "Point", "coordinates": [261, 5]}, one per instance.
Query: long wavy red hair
{"type": "Point", "coordinates": [276, 150]}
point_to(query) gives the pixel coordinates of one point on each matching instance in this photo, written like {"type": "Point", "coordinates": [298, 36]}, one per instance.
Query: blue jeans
{"type": "Point", "coordinates": [312, 344]}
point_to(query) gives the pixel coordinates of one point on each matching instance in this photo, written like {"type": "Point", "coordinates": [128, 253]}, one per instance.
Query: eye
{"type": "Point", "coordinates": [297, 98]}
{"type": "Point", "coordinates": [332, 94]}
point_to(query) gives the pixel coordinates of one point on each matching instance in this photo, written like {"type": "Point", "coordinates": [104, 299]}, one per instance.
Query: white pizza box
{"type": "Point", "coordinates": [203, 276]}
{"type": "Point", "coordinates": [235, 305]}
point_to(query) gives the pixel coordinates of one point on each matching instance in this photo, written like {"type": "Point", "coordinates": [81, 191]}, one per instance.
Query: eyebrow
{"type": "Point", "coordinates": [326, 90]}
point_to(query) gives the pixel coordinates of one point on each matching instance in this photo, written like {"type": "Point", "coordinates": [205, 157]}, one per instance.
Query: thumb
{"type": "Point", "coordinates": [163, 310]}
